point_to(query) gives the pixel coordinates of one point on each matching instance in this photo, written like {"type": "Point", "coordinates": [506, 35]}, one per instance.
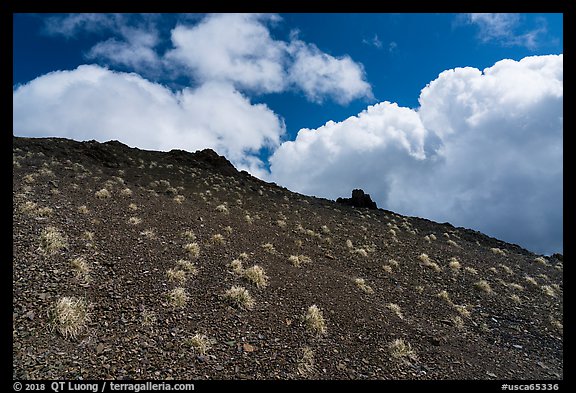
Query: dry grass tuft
{"type": "Point", "coordinates": [189, 235]}
{"type": "Point", "coordinates": [178, 297]}
{"type": "Point", "coordinates": [102, 194]}
{"type": "Point", "coordinates": [83, 209]}
{"type": "Point", "coordinates": [134, 221]}
{"type": "Point", "coordinates": [314, 320]}
{"type": "Point", "coordinates": [239, 297]}
{"type": "Point", "coordinates": [187, 266]}
{"type": "Point", "coordinates": [400, 349]}
{"type": "Point", "coordinates": [218, 239]}
{"type": "Point", "coordinates": [462, 310]}
{"type": "Point", "coordinates": [257, 276]}
{"type": "Point", "coordinates": [515, 298]}
{"type": "Point", "coordinates": [69, 316]}
{"type": "Point", "coordinates": [236, 266]}
{"type": "Point", "coordinates": [507, 269]}
{"type": "Point", "coordinates": [179, 199]}
{"type": "Point", "coordinates": [45, 211]}
{"type": "Point", "coordinates": [361, 283]}
{"type": "Point", "coordinates": [176, 275]}
{"type": "Point", "coordinates": [444, 296]}
{"type": "Point", "coordinates": [325, 230]}
{"type": "Point", "coordinates": [349, 244]}
{"type": "Point", "coordinates": [548, 291]}
{"type": "Point", "coordinates": [82, 269]}
{"type": "Point", "coordinates": [28, 208]}
{"type": "Point", "coordinates": [425, 259]}
{"type": "Point", "coordinates": [470, 270]}
{"type": "Point", "coordinates": [133, 207]}
{"type": "Point", "coordinates": [298, 260]}
{"type": "Point", "coordinates": [540, 260]}
{"type": "Point", "coordinates": [200, 343]}
{"type": "Point", "coordinates": [556, 323]}
{"type": "Point", "coordinates": [126, 192]}
{"type": "Point", "coordinates": [483, 286]}
{"type": "Point", "coordinates": [148, 318]}
{"type": "Point", "coordinates": [306, 361]}
{"type": "Point", "coordinates": [498, 251]}
{"type": "Point", "coordinates": [530, 280]}
{"type": "Point", "coordinates": [222, 209]}
{"type": "Point", "coordinates": [458, 322]}
{"type": "Point", "coordinates": [387, 269]}
{"type": "Point", "coordinates": [515, 286]}
{"type": "Point", "coordinates": [395, 309]}
{"type": "Point", "coordinates": [269, 247]}
{"type": "Point", "coordinates": [193, 249]}
{"type": "Point", "coordinates": [52, 241]}
{"type": "Point", "coordinates": [281, 223]}
{"type": "Point", "coordinates": [454, 263]}
{"type": "Point", "coordinates": [452, 243]}
{"type": "Point", "coordinates": [360, 251]}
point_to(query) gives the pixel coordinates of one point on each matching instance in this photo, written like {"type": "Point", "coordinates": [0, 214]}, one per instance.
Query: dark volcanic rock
{"type": "Point", "coordinates": [359, 199]}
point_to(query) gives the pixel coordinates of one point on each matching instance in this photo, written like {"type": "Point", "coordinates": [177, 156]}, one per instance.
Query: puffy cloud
{"type": "Point", "coordinates": [484, 150]}
{"type": "Point", "coordinates": [235, 48]}
{"type": "Point", "coordinates": [504, 29]}
{"type": "Point", "coordinates": [320, 75]}
{"type": "Point", "coordinates": [92, 102]}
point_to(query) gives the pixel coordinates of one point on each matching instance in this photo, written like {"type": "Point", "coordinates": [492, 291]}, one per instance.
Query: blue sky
{"type": "Point", "coordinates": [452, 117]}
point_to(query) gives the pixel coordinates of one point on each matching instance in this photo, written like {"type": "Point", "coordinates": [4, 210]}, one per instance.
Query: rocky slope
{"type": "Point", "coordinates": [123, 260]}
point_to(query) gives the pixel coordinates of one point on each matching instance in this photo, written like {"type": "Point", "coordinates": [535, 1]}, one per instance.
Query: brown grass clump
{"type": "Point", "coordinates": [498, 251]}
{"type": "Point", "coordinates": [45, 211]}
{"type": "Point", "coordinates": [462, 310]}
{"type": "Point", "coordinates": [470, 270]}
{"type": "Point", "coordinates": [28, 208]}
{"type": "Point", "coordinates": [298, 260]}
{"type": "Point", "coordinates": [454, 264]}
{"type": "Point", "coordinates": [269, 247]}
{"type": "Point", "coordinates": [361, 283]}
{"type": "Point", "coordinates": [200, 343]}
{"type": "Point", "coordinates": [256, 275]}
{"type": "Point", "coordinates": [178, 297]}
{"type": "Point", "coordinates": [400, 349]}
{"type": "Point", "coordinates": [452, 243]}
{"type": "Point", "coordinates": [82, 269]}
{"type": "Point", "coordinates": [148, 318]}
{"type": "Point", "coordinates": [222, 209]}
{"type": "Point", "coordinates": [187, 266]}
{"type": "Point", "coordinates": [102, 194]}
{"type": "Point", "coordinates": [540, 260]}
{"type": "Point", "coordinates": [134, 221]}
{"type": "Point", "coordinates": [305, 363]}
{"type": "Point", "coordinates": [176, 275]}
{"type": "Point", "coordinates": [126, 192]}
{"type": "Point", "coordinates": [515, 298]}
{"type": "Point", "coordinates": [69, 316]}
{"type": "Point", "coordinates": [530, 280]}
{"type": "Point", "coordinates": [83, 209]}
{"type": "Point", "coordinates": [218, 239]}
{"type": "Point", "coordinates": [236, 266]}
{"type": "Point", "coordinates": [133, 207]}
{"type": "Point", "coordinates": [52, 241]}
{"type": "Point", "coordinates": [314, 320]}
{"type": "Point", "coordinates": [179, 199]}
{"type": "Point", "coordinates": [239, 297]}
{"type": "Point", "coordinates": [425, 259]}
{"type": "Point", "coordinates": [457, 321]}
{"type": "Point", "coordinates": [548, 291]}
{"type": "Point", "coordinates": [189, 235]}
{"type": "Point", "coordinates": [483, 286]}
{"type": "Point", "coordinates": [395, 309]}
{"type": "Point", "coordinates": [193, 249]}
{"type": "Point", "coordinates": [444, 296]}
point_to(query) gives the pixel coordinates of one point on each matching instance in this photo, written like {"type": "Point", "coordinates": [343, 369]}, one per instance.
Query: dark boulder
{"type": "Point", "coordinates": [359, 199]}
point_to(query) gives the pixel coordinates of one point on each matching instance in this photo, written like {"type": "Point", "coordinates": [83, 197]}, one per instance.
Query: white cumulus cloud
{"type": "Point", "coordinates": [484, 150]}
{"type": "Point", "coordinates": [92, 102]}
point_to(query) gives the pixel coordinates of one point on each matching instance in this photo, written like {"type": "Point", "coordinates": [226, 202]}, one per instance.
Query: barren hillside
{"type": "Point", "coordinates": [132, 264]}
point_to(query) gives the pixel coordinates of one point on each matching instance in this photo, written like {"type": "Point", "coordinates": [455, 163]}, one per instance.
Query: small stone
{"type": "Point", "coordinates": [517, 346]}
{"type": "Point", "coordinates": [491, 375]}
{"type": "Point", "coordinates": [248, 348]}
{"type": "Point", "coordinates": [99, 348]}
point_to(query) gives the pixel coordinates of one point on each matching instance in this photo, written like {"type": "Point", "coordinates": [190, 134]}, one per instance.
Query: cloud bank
{"type": "Point", "coordinates": [484, 150]}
